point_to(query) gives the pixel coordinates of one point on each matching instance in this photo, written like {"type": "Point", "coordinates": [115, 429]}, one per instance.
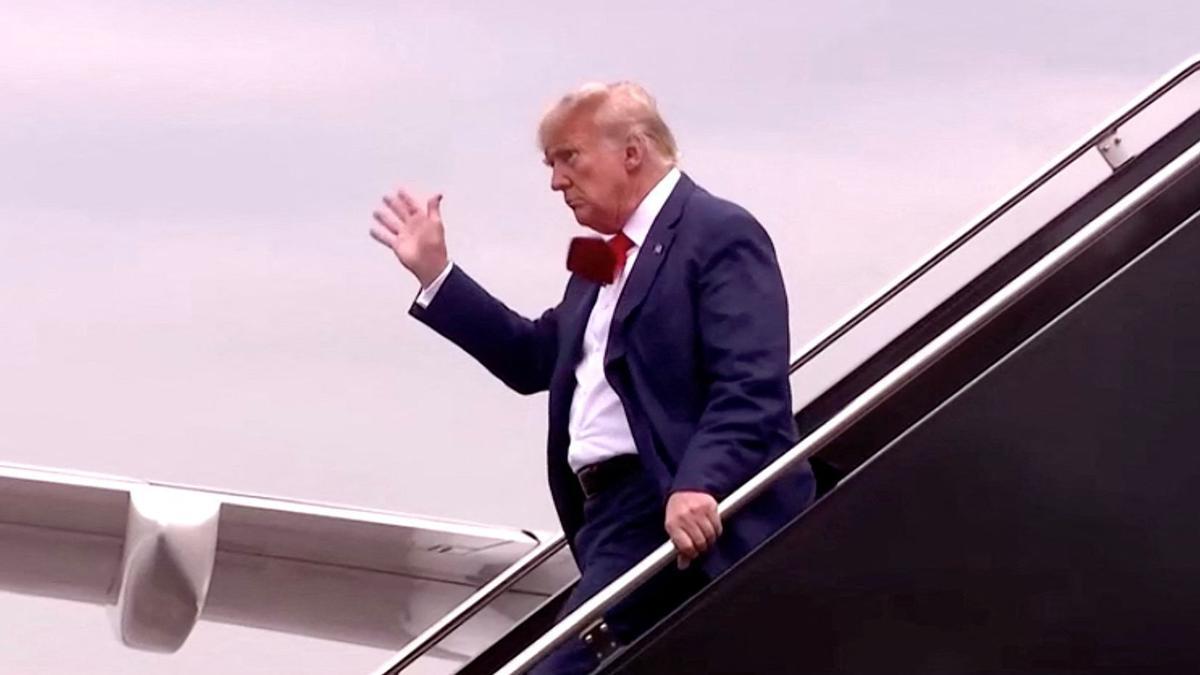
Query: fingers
{"type": "Point", "coordinates": [691, 539]}
{"type": "Point", "coordinates": [415, 235]}
{"type": "Point", "coordinates": [712, 519]}
{"type": "Point", "coordinates": [707, 530]}
{"type": "Point", "coordinates": [702, 534]}
{"type": "Point", "coordinates": [684, 544]}
{"type": "Point", "coordinates": [693, 523]}
{"type": "Point", "coordinates": [403, 207]}
{"type": "Point", "coordinates": [383, 236]}
{"type": "Point", "coordinates": [407, 203]}
{"type": "Point", "coordinates": [434, 208]}
{"type": "Point", "coordinates": [398, 209]}
{"type": "Point", "coordinates": [387, 221]}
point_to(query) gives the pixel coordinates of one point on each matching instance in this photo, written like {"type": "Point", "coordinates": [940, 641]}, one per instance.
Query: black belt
{"type": "Point", "coordinates": [598, 477]}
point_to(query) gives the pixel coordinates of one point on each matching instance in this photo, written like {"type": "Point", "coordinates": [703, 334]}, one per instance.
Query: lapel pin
{"type": "Point", "coordinates": [657, 249]}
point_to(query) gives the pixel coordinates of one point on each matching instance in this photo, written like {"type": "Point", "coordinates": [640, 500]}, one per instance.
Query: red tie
{"type": "Point", "coordinates": [620, 246]}
{"type": "Point", "coordinates": [597, 260]}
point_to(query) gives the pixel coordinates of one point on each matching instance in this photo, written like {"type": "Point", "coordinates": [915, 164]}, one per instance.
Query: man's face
{"type": "Point", "coordinates": [591, 172]}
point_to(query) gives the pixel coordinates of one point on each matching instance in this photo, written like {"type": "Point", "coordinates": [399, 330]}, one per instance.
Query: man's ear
{"type": "Point", "coordinates": [635, 152]}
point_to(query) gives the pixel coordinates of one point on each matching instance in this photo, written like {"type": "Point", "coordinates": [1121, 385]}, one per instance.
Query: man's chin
{"type": "Point", "coordinates": [582, 219]}
{"type": "Point", "coordinates": [587, 218]}
{"type": "Point", "coordinates": [598, 227]}
{"type": "Point", "coordinates": [601, 229]}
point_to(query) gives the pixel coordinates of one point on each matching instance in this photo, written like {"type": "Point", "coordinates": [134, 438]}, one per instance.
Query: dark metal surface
{"type": "Point", "coordinates": [1041, 521]}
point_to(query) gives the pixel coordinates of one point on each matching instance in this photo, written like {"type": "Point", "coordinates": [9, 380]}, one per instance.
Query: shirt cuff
{"type": "Point", "coordinates": [428, 293]}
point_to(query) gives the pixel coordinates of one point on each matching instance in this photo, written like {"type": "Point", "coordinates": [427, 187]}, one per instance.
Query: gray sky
{"type": "Point", "coordinates": [188, 293]}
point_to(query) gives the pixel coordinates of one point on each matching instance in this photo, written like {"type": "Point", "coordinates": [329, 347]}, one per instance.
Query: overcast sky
{"type": "Point", "coordinates": [188, 293]}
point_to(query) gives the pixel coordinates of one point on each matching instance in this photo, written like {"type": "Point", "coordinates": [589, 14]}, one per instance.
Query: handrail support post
{"type": "Point", "coordinates": [599, 638]}
{"type": "Point", "coordinates": [1113, 150]}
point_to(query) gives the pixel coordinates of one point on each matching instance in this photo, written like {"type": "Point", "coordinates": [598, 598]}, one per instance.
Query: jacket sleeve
{"type": "Point", "coordinates": [519, 351]}
{"type": "Point", "coordinates": [742, 319]}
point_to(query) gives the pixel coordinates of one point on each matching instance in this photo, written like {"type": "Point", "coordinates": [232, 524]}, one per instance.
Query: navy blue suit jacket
{"type": "Point", "coordinates": [697, 353]}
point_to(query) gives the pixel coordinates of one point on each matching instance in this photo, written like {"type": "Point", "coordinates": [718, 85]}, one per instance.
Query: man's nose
{"type": "Point", "coordinates": [559, 181]}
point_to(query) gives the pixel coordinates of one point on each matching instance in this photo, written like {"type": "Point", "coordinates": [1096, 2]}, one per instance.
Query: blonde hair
{"type": "Point", "coordinates": [619, 109]}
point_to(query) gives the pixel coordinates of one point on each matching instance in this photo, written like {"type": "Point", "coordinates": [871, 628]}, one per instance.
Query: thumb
{"type": "Point", "coordinates": [435, 207]}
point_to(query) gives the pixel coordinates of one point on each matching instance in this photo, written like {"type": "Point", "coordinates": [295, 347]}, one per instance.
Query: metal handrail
{"type": "Point", "coordinates": [868, 307]}
{"type": "Point", "coordinates": [420, 645]}
{"type": "Point", "coordinates": [591, 610]}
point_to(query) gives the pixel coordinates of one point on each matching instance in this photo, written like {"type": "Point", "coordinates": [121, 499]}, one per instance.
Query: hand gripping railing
{"type": "Point", "coordinates": [590, 612]}
{"type": "Point", "coordinates": [1106, 129]}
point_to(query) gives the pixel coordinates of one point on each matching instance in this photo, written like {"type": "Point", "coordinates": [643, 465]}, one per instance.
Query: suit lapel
{"type": "Point", "coordinates": [645, 267]}
{"type": "Point", "coordinates": [653, 251]}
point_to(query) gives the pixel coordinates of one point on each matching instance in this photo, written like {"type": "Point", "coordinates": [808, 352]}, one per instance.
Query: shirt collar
{"type": "Point", "coordinates": [638, 225]}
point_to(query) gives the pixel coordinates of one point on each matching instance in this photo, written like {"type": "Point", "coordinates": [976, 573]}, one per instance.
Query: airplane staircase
{"type": "Point", "coordinates": [1009, 485]}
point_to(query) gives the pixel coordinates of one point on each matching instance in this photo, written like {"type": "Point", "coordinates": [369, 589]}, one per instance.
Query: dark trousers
{"type": "Point", "coordinates": [621, 526]}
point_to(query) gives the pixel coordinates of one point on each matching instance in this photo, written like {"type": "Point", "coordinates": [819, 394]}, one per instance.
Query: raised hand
{"type": "Point", "coordinates": [416, 236]}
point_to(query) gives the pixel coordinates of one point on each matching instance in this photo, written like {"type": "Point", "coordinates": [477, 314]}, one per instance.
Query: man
{"type": "Point", "coordinates": [666, 360]}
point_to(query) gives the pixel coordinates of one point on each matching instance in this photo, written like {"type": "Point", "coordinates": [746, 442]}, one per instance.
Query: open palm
{"type": "Point", "coordinates": [415, 235]}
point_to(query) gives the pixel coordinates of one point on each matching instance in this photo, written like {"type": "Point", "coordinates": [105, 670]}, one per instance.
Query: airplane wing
{"type": "Point", "coordinates": [163, 557]}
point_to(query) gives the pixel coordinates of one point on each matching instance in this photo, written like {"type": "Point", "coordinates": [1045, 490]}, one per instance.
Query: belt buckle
{"type": "Point", "coordinates": [582, 478]}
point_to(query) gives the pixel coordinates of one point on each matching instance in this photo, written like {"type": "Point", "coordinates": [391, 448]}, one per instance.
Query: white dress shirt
{"type": "Point", "coordinates": [598, 425]}
{"type": "Point", "coordinates": [427, 294]}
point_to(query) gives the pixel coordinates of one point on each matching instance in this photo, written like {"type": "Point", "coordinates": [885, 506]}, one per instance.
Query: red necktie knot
{"type": "Point", "coordinates": [619, 245]}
